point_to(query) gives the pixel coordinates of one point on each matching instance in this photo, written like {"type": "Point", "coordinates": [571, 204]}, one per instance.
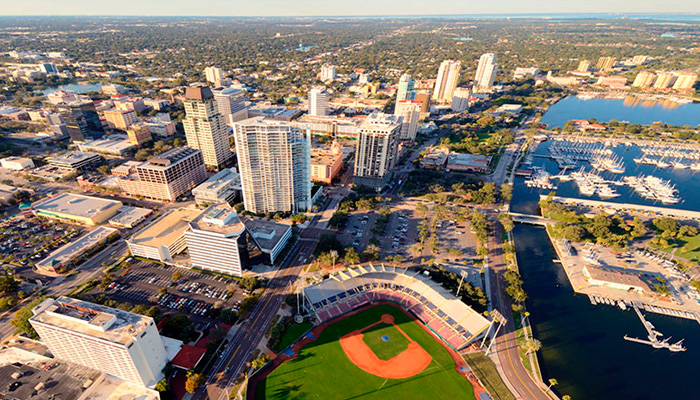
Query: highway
{"type": "Point", "coordinates": [506, 345]}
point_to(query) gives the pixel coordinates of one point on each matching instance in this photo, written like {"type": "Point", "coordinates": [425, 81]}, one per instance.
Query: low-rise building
{"type": "Point", "coordinates": [223, 187]}
{"type": "Point", "coordinates": [139, 134]}
{"type": "Point", "coordinates": [120, 119]}
{"type": "Point", "coordinates": [16, 163]}
{"type": "Point", "coordinates": [469, 163]}
{"type": "Point", "coordinates": [334, 126]}
{"type": "Point", "coordinates": [76, 160]}
{"type": "Point", "coordinates": [129, 217]}
{"type": "Point", "coordinates": [326, 164]}
{"type": "Point", "coordinates": [114, 145]}
{"type": "Point", "coordinates": [164, 238]}
{"type": "Point", "coordinates": [510, 109]}
{"type": "Point", "coordinates": [613, 82]}
{"type": "Point", "coordinates": [277, 113]}
{"type": "Point", "coordinates": [271, 237]}
{"type": "Point", "coordinates": [615, 279]}
{"type": "Point", "coordinates": [66, 254]}
{"type": "Point", "coordinates": [435, 158]}
{"type": "Point", "coordinates": [77, 209]}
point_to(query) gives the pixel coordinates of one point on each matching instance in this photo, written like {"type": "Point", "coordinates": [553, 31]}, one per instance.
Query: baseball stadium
{"type": "Point", "coordinates": [382, 333]}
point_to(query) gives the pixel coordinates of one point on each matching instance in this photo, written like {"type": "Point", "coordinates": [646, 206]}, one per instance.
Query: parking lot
{"type": "Point", "coordinates": [194, 293]}
{"type": "Point", "coordinates": [27, 239]}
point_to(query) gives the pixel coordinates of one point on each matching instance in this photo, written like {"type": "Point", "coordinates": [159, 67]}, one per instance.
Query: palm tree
{"type": "Point", "coordinates": [552, 382]}
{"type": "Point", "coordinates": [566, 397]}
{"type": "Point", "coordinates": [531, 346]}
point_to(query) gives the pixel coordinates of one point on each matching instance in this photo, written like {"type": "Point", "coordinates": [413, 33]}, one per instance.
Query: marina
{"type": "Point", "coordinates": [655, 338]}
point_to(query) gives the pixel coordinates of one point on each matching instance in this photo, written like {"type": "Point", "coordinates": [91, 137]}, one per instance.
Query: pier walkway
{"type": "Point", "coordinates": [669, 212]}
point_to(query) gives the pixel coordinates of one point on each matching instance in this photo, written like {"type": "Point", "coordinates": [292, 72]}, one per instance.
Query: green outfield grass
{"type": "Point", "coordinates": [389, 349]}
{"type": "Point", "coordinates": [322, 371]}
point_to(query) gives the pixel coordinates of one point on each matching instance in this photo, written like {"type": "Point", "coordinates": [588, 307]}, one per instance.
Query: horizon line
{"type": "Point", "coordinates": [490, 15]}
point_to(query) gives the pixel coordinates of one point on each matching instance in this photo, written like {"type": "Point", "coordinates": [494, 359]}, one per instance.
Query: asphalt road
{"type": "Point", "coordinates": [506, 344]}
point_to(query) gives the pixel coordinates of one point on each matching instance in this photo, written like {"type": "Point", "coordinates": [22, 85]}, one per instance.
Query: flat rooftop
{"type": "Point", "coordinates": [75, 204]}
{"type": "Point", "coordinates": [266, 233]}
{"type": "Point", "coordinates": [617, 276]}
{"type": "Point", "coordinates": [130, 216]}
{"type": "Point", "coordinates": [468, 159]}
{"type": "Point", "coordinates": [72, 157]}
{"type": "Point", "coordinates": [166, 229]}
{"type": "Point", "coordinates": [170, 157]}
{"type": "Point", "coordinates": [324, 157]}
{"type": "Point", "coordinates": [70, 250]}
{"type": "Point", "coordinates": [227, 176]}
{"type": "Point", "coordinates": [111, 143]}
{"type": "Point", "coordinates": [91, 319]}
{"type": "Point", "coordinates": [219, 218]}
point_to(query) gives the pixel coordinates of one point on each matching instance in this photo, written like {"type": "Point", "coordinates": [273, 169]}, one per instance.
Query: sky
{"type": "Point", "coordinates": [338, 7]}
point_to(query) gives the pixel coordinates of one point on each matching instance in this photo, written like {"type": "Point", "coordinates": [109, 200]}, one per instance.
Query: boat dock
{"type": "Point", "coordinates": [669, 212]}
{"type": "Point", "coordinates": [653, 336]}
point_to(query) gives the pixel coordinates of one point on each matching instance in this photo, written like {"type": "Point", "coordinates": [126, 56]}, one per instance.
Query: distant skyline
{"type": "Point", "coordinates": [338, 8]}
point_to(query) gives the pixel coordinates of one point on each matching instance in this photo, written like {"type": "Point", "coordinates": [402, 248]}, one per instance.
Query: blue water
{"type": "Point", "coordinates": [687, 182]}
{"type": "Point", "coordinates": [583, 346]}
{"type": "Point", "coordinates": [631, 110]}
{"type": "Point", "coordinates": [79, 88]}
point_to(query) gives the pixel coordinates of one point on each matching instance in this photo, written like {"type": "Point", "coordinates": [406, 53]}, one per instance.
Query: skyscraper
{"type": "Point", "coordinates": [318, 102]}
{"type": "Point", "coordinates": [446, 82]}
{"type": "Point", "coordinates": [205, 128]}
{"type": "Point", "coordinates": [485, 72]}
{"type": "Point", "coordinates": [81, 120]}
{"type": "Point", "coordinates": [409, 111]}
{"type": "Point", "coordinates": [460, 100]}
{"type": "Point", "coordinates": [376, 149]}
{"type": "Point", "coordinates": [584, 66]}
{"type": "Point", "coordinates": [274, 163]}
{"type": "Point", "coordinates": [685, 80]}
{"type": "Point", "coordinates": [664, 80]}
{"type": "Point", "coordinates": [231, 104]}
{"type": "Point", "coordinates": [405, 90]}
{"type": "Point", "coordinates": [214, 74]}
{"type": "Point", "coordinates": [327, 72]}
{"type": "Point", "coordinates": [644, 79]}
{"type": "Point", "coordinates": [113, 341]}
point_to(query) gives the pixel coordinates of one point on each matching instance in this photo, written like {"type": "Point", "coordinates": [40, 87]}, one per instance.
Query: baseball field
{"type": "Point", "coordinates": [379, 353]}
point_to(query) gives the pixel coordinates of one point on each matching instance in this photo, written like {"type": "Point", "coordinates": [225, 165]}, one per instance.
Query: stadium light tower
{"type": "Point", "coordinates": [463, 274]}
{"type": "Point", "coordinates": [334, 254]}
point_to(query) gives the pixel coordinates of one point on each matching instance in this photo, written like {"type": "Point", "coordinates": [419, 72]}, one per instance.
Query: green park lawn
{"type": "Point", "coordinates": [321, 370]}
{"type": "Point", "coordinates": [687, 247]}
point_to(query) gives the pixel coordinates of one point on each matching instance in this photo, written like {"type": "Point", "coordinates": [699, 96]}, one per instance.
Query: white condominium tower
{"type": "Point", "coordinates": [446, 82]}
{"type": "Point", "coordinates": [409, 111]}
{"type": "Point", "coordinates": [405, 90]}
{"type": "Point", "coordinates": [376, 151]}
{"type": "Point", "coordinates": [231, 104]}
{"type": "Point", "coordinates": [460, 100]}
{"type": "Point", "coordinates": [205, 128]}
{"type": "Point", "coordinates": [274, 160]}
{"type": "Point", "coordinates": [216, 241]}
{"type": "Point", "coordinates": [213, 74]}
{"type": "Point", "coordinates": [486, 71]}
{"type": "Point", "coordinates": [327, 72]}
{"type": "Point", "coordinates": [318, 102]}
{"type": "Point", "coordinates": [113, 341]}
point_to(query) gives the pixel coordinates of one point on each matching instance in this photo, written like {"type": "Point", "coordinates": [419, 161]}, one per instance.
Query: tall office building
{"type": "Point", "coordinates": [274, 163]}
{"type": "Point", "coordinates": [446, 82]}
{"type": "Point", "coordinates": [376, 151]}
{"type": "Point", "coordinates": [485, 72]}
{"type": "Point", "coordinates": [584, 66]}
{"type": "Point", "coordinates": [405, 91]}
{"type": "Point", "coordinates": [217, 241]}
{"type": "Point", "coordinates": [81, 120]}
{"type": "Point", "coordinates": [409, 111]}
{"type": "Point", "coordinates": [644, 79]}
{"type": "Point", "coordinates": [318, 102]}
{"type": "Point", "coordinates": [113, 341]}
{"type": "Point", "coordinates": [205, 128]}
{"type": "Point", "coordinates": [214, 74]}
{"type": "Point", "coordinates": [685, 80]}
{"type": "Point", "coordinates": [460, 100]}
{"type": "Point", "coordinates": [231, 104]}
{"type": "Point", "coordinates": [120, 119]}
{"type": "Point", "coordinates": [664, 80]}
{"type": "Point", "coordinates": [327, 72]}
{"type": "Point", "coordinates": [167, 176]}
{"type": "Point", "coordinates": [606, 63]}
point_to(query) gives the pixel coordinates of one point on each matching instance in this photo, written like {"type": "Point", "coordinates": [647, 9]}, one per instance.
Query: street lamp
{"type": "Point", "coordinates": [334, 254]}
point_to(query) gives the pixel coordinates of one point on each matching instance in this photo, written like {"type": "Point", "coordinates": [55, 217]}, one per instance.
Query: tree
{"type": "Point", "coordinates": [249, 282]}
{"type": "Point", "coordinates": [351, 256]}
{"type": "Point", "coordinates": [260, 361]}
{"type": "Point", "coordinates": [194, 380]}
{"type": "Point", "coordinates": [339, 219]}
{"type": "Point", "coordinates": [176, 276]}
{"type": "Point", "coordinates": [7, 302]}
{"type": "Point", "coordinates": [228, 316]}
{"type": "Point", "coordinates": [531, 346]}
{"type": "Point", "coordinates": [552, 382]}
{"type": "Point", "coordinates": [687, 230]}
{"type": "Point", "coordinates": [506, 221]}
{"type": "Point", "coordinates": [566, 397]}
{"type": "Point", "coordinates": [506, 192]}
{"type": "Point", "coordinates": [162, 385]}
{"type": "Point", "coordinates": [8, 284]}
{"type": "Point", "coordinates": [667, 226]}
{"type": "Point", "coordinates": [178, 327]}
{"type": "Point", "coordinates": [21, 319]}
{"type": "Point", "coordinates": [298, 218]}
